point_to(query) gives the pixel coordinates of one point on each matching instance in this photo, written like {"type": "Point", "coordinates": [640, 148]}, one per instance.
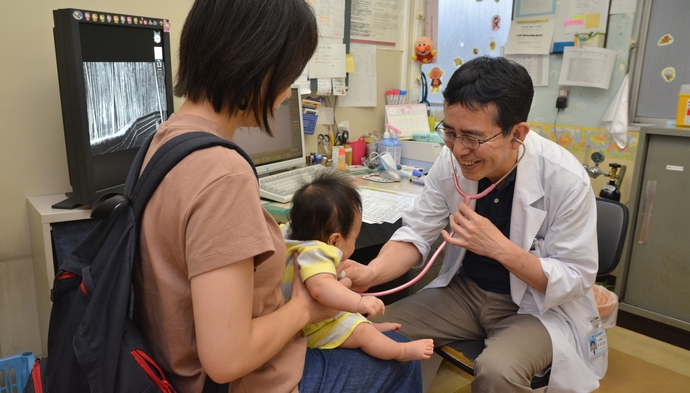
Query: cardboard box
{"type": "Point", "coordinates": [683, 116]}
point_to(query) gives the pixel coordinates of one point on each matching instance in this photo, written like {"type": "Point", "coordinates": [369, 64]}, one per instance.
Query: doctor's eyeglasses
{"type": "Point", "coordinates": [469, 141]}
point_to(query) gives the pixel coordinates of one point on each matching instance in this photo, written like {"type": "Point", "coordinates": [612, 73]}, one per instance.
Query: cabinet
{"type": "Point", "coordinates": [45, 224]}
{"type": "Point", "coordinates": [656, 263]}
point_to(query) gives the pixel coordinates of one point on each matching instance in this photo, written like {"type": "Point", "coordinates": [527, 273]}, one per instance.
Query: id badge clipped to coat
{"type": "Point", "coordinates": [596, 339]}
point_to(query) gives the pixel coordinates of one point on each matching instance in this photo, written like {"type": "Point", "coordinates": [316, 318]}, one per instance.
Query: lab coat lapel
{"type": "Point", "coordinates": [526, 217]}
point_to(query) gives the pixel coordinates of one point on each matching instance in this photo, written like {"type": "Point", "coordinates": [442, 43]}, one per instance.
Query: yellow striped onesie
{"type": "Point", "coordinates": [317, 257]}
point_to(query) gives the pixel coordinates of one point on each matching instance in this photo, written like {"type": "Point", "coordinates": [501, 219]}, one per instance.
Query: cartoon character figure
{"type": "Point", "coordinates": [666, 39]}
{"type": "Point", "coordinates": [423, 50]}
{"type": "Point", "coordinates": [435, 76]}
{"type": "Point", "coordinates": [669, 74]}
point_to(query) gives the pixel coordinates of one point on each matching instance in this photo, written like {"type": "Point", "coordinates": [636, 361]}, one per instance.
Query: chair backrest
{"type": "Point", "coordinates": [612, 226]}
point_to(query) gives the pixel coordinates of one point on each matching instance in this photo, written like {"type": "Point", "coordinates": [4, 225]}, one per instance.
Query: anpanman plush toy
{"type": "Point", "coordinates": [423, 50]}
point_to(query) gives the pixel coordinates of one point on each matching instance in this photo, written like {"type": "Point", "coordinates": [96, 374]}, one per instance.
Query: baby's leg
{"type": "Point", "coordinates": [373, 342]}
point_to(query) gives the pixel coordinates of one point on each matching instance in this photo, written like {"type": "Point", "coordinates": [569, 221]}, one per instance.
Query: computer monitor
{"type": "Point", "coordinates": [285, 150]}
{"type": "Point", "coordinates": [114, 72]}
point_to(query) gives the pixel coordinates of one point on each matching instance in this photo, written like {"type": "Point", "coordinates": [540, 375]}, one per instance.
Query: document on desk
{"type": "Point", "coordinates": [379, 205]}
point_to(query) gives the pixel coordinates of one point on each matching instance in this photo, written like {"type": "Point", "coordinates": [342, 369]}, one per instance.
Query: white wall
{"type": "Point", "coordinates": [32, 150]}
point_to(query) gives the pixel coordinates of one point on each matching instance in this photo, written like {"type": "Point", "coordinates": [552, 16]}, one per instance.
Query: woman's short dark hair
{"type": "Point", "coordinates": [485, 80]}
{"type": "Point", "coordinates": [233, 52]}
{"type": "Point", "coordinates": [329, 204]}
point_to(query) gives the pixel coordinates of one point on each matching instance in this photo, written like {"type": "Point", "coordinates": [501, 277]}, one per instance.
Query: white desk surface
{"type": "Point", "coordinates": [43, 206]}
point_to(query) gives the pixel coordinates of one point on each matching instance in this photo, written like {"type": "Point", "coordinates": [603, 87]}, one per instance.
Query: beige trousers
{"type": "Point", "coordinates": [518, 346]}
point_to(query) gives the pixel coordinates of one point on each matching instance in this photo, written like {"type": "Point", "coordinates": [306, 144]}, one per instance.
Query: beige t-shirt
{"type": "Point", "coordinates": [204, 215]}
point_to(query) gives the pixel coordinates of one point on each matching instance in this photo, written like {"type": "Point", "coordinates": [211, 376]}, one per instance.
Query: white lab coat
{"type": "Point", "coordinates": [553, 203]}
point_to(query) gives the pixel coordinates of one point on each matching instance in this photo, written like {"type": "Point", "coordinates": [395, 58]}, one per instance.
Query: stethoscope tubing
{"type": "Point", "coordinates": [467, 199]}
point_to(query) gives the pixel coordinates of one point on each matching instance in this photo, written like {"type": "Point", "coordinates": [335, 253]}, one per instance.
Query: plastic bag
{"type": "Point", "coordinates": [607, 303]}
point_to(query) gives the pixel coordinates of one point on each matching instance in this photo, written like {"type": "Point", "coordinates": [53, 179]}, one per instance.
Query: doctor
{"type": "Point", "coordinates": [520, 268]}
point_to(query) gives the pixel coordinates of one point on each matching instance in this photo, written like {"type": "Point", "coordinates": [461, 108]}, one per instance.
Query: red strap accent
{"type": "Point", "coordinates": [36, 376]}
{"type": "Point", "coordinates": [145, 362]}
{"type": "Point", "coordinates": [65, 275]}
{"type": "Point", "coordinates": [83, 288]}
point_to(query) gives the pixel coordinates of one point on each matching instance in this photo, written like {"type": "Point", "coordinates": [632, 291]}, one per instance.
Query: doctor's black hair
{"type": "Point", "coordinates": [329, 204]}
{"type": "Point", "coordinates": [242, 54]}
{"type": "Point", "coordinates": [486, 80]}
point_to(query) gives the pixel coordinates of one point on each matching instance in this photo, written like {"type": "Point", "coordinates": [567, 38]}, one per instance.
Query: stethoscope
{"type": "Point", "coordinates": [467, 199]}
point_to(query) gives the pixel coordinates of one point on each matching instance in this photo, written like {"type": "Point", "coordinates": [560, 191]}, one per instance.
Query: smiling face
{"type": "Point", "coordinates": [423, 46]}
{"type": "Point", "coordinates": [492, 159]}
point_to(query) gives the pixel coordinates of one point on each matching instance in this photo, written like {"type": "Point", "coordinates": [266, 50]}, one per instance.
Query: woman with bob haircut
{"type": "Point", "coordinates": [212, 259]}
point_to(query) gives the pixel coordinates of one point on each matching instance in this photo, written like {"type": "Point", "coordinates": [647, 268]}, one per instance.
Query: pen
{"type": "Point", "coordinates": [417, 181]}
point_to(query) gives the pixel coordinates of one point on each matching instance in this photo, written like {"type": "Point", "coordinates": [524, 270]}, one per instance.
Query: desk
{"type": "Point", "coordinates": [372, 236]}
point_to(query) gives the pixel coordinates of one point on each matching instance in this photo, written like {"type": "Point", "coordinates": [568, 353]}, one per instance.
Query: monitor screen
{"type": "Point", "coordinates": [115, 89]}
{"type": "Point", "coordinates": [285, 149]}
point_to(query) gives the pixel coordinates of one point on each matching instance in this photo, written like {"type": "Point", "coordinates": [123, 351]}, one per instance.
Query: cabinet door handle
{"type": "Point", "coordinates": [650, 194]}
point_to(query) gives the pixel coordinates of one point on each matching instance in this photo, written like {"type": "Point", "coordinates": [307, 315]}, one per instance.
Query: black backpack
{"type": "Point", "coordinates": [93, 345]}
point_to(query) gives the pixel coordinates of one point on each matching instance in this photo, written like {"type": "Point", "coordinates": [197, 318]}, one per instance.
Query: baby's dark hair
{"type": "Point", "coordinates": [329, 204]}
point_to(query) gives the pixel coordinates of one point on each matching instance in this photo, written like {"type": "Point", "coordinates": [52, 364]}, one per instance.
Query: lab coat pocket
{"type": "Point", "coordinates": [537, 248]}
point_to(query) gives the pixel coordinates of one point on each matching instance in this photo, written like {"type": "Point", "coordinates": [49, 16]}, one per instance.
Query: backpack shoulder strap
{"type": "Point", "coordinates": [165, 158]}
{"type": "Point", "coordinates": [140, 188]}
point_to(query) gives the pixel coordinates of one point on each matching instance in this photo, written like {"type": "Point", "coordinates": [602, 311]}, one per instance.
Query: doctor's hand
{"type": "Point", "coordinates": [474, 232]}
{"type": "Point", "coordinates": [360, 276]}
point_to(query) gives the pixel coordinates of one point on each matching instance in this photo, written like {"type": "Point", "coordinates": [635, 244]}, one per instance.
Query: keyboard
{"type": "Point", "coordinates": [279, 187]}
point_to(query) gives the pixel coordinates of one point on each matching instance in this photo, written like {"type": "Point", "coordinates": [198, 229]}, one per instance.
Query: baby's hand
{"type": "Point", "coordinates": [371, 306]}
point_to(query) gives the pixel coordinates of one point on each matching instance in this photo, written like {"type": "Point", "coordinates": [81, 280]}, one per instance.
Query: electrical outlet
{"type": "Point", "coordinates": [563, 94]}
{"type": "Point", "coordinates": [564, 91]}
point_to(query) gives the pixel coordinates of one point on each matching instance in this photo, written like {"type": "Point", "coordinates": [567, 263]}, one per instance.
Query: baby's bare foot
{"type": "Point", "coordinates": [387, 326]}
{"type": "Point", "coordinates": [416, 350]}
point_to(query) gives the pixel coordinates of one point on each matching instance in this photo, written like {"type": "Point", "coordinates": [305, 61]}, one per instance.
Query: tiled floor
{"type": "Point", "coordinates": [637, 364]}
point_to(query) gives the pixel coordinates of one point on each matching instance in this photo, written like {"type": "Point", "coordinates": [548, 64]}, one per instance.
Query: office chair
{"type": "Point", "coordinates": [612, 225]}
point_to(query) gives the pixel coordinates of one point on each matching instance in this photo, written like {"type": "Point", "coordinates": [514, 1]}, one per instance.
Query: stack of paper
{"type": "Point", "coordinates": [380, 206]}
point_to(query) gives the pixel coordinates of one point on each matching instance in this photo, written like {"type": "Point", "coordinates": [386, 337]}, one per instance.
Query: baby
{"type": "Point", "coordinates": [325, 220]}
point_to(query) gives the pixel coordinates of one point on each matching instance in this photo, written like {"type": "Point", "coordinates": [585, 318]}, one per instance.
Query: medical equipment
{"type": "Point", "coordinates": [612, 189]}
{"type": "Point", "coordinates": [467, 199]}
{"type": "Point", "coordinates": [391, 175]}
